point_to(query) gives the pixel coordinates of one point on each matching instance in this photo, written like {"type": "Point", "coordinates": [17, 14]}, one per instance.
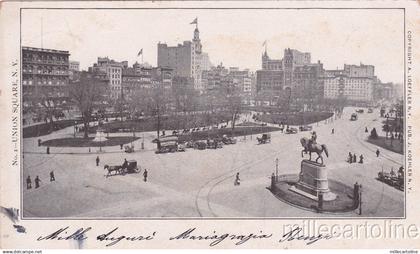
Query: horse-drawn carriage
{"type": "Point", "coordinates": [228, 140]}
{"type": "Point", "coordinates": [291, 130]}
{"type": "Point", "coordinates": [265, 138]}
{"type": "Point", "coordinates": [169, 144]}
{"type": "Point", "coordinates": [214, 143]}
{"type": "Point", "coordinates": [130, 167]}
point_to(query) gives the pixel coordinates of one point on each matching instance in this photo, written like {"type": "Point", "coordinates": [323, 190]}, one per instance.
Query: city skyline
{"type": "Point", "coordinates": [240, 44]}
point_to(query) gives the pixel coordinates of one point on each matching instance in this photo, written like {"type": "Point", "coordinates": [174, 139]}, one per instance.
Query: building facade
{"type": "Point", "coordinates": [113, 71]}
{"type": "Point", "coordinates": [185, 59]}
{"type": "Point", "coordinates": [356, 89]}
{"type": "Point", "coordinates": [45, 78]}
{"type": "Point", "coordinates": [137, 78]}
{"type": "Point", "coordinates": [74, 65]}
{"type": "Point", "coordinates": [354, 83]}
{"type": "Point", "coordinates": [292, 78]}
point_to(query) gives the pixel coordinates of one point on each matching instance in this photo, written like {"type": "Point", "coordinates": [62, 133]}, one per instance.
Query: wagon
{"type": "Point", "coordinates": [392, 180]}
{"type": "Point", "coordinates": [200, 145]}
{"type": "Point", "coordinates": [265, 138]}
{"type": "Point", "coordinates": [228, 140]}
{"type": "Point", "coordinates": [131, 167]}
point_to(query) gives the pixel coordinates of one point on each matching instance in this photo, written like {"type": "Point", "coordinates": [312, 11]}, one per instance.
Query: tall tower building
{"type": "Point", "coordinates": [187, 59]}
{"type": "Point", "coordinates": [196, 59]}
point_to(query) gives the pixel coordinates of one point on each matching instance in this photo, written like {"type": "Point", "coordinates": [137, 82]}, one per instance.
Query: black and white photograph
{"type": "Point", "coordinates": [212, 113]}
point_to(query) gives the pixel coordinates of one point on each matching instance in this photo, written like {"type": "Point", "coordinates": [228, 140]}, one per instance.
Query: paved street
{"type": "Point", "coordinates": [199, 183]}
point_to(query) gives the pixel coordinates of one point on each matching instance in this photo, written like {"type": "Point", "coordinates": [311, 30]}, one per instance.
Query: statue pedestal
{"type": "Point", "coordinates": [100, 136]}
{"type": "Point", "coordinates": [313, 180]}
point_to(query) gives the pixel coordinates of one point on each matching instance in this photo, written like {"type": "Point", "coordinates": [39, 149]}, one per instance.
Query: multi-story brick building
{"type": "Point", "coordinates": [113, 71]}
{"type": "Point", "coordinates": [139, 78]}
{"type": "Point", "coordinates": [45, 78]}
{"type": "Point", "coordinates": [352, 83]}
{"type": "Point", "coordinates": [292, 77]}
{"type": "Point", "coordinates": [186, 60]}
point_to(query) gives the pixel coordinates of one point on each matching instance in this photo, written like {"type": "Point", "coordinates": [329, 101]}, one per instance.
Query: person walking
{"type": "Point", "coordinates": [237, 180]}
{"type": "Point", "coordinates": [97, 160]}
{"type": "Point", "coordinates": [125, 164]}
{"type": "Point", "coordinates": [28, 183]}
{"type": "Point", "coordinates": [37, 181]}
{"type": "Point", "coordinates": [377, 152]}
{"type": "Point", "coordinates": [350, 160]}
{"type": "Point", "coordinates": [354, 158]}
{"type": "Point", "coordinates": [52, 177]}
{"type": "Point", "coordinates": [145, 173]}
{"type": "Point", "coordinates": [48, 150]}
{"type": "Point", "coordinates": [332, 131]}
{"type": "Point", "coordinates": [366, 130]}
{"type": "Point", "coordinates": [361, 159]}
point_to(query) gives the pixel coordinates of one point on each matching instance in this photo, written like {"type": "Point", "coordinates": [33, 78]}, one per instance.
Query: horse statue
{"type": "Point", "coordinates": [313, 148]}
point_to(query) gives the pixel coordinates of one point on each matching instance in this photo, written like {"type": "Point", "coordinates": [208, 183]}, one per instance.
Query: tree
{"type": "Point", "coordinates": [232, 101]}
{"type": "Point", "coordinates": [88, 92]}
{"type": "Point", "coordinates": [158, 100]}
{"type": "Point", "coordinates": [48, 102]}
{"type": "Point", "coordinates": [185, 97]}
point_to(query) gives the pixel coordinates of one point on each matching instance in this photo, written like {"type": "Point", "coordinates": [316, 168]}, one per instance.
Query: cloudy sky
{"type": "Point", "coordinates": [234, 37]}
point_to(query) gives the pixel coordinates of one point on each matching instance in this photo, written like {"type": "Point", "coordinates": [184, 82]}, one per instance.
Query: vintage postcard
{"type": "Point", "coordinates": [209, 125]}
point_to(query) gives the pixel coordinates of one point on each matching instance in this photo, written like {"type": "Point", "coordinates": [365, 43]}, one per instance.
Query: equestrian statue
{"type": "Point", "coordinates": [310, 145]}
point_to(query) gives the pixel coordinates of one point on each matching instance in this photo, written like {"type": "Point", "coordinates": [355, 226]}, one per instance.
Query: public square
{"type": "Point", "coordinates": [200, 183]}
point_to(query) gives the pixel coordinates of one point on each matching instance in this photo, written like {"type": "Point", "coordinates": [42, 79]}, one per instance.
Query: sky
{"type": "Point", "coordinates": [232, 37]}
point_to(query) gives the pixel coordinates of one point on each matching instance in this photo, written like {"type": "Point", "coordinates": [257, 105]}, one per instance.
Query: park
{"type": "Point", "coordinates": [200, 183]}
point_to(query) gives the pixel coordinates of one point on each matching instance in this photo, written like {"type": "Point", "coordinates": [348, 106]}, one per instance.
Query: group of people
{"type": "Point", "coordinates": [37, 181]}
{"type": "Point", "coordinates": [352, 158]}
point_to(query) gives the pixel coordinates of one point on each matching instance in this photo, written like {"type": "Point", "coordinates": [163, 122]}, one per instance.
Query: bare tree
{"type": "Point", "coordinates": [48, 102]}
{"type": "Point", "coordinates": [232, 101]}
{"type": "Point", "coordinates": [87, 92]}
{"type": "Point", "coordinates": [157, 103]}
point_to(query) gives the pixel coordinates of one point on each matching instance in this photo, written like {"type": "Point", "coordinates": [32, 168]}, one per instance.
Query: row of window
{"type": "Point", "coordinates": [43, 82]}
{"type": "Point", "coordinates": [43, 57]}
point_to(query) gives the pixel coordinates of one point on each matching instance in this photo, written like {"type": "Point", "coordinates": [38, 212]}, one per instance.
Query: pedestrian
{"type": "Point", "coordinates": [237, 180]}
{"type": "Point", "coordinates": [366, 129]}
{"type": "Point", "coordinates": [121, 146]}
{"type": "Point", "coordinates": [97, 160]}
{"type": "Point", "coordinates": [350, 160]}
{"type": "Point", "coordinates": [28, 183]}
{"type": "Point", "coordinates": [37, 181]}
{"type": "Point", "coordinates": [361, 159]}
{"type": "Point", "coordinates": [52, 177]}
{"type": "Point", "coordinates": [125, 164]}
{"type": "Point", "coordinates": [354, 158]}
{"type": "Point", "coordinates": [145, 173]}
{"type": "Point", "coordinates": [48, 150]}
{"type": "Point", "coordinates": [332, 131]}
{"type": "Point", "coordinates": [377, 152]}
{"type": "Point", "coordinates": [401, 172]}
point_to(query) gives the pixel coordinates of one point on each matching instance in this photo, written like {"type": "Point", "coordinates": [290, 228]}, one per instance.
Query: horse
{"type": "Point", "coordinates": [117, 169]}
{"type": "Point", "coordinates": [313, 148]}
